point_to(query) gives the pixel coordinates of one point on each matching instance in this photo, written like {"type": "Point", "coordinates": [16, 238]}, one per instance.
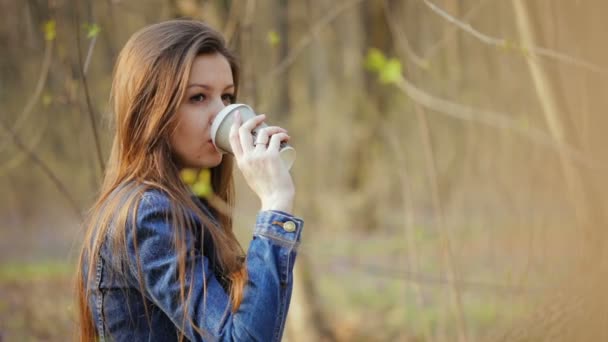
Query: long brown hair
{"type": "Point", "coordinates": [150, 79]}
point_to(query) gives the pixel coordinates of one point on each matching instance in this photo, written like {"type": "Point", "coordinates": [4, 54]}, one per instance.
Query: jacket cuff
{"type": "Point", "coordinates": [281, 227]}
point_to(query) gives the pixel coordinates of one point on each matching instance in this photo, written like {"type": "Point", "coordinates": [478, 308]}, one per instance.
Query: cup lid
{"type": "Point", "coordinates": [221, 116]}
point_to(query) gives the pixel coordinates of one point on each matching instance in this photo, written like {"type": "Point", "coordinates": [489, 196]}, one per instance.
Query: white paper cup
{"type": "Point", "coordinates": [220, 131]}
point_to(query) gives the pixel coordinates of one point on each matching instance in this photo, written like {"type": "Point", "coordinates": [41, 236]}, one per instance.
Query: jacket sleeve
{"type": "Point", "coordinates": [270, 261]}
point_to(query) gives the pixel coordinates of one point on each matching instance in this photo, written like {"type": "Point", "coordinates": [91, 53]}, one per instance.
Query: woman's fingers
{"type": "Point", "coordinates": [263, 136]}
{"type": "Point", "coordinates": [244, 139]}
{"type": "Point", "coordinates": [245, 132]}
{"type": "Point", "coordinates": [275, 141]}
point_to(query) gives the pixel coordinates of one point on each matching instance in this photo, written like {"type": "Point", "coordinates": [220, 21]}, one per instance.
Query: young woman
{"type": "Point", "coordinates": [158, 263]}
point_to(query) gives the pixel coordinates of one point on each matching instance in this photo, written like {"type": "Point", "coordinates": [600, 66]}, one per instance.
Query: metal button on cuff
{"type": "Point", "coordinates": [288, 226]}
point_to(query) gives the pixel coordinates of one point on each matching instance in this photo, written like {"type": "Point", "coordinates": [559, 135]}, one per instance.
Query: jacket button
{"type": "Point", "coordinates": [289, 226]}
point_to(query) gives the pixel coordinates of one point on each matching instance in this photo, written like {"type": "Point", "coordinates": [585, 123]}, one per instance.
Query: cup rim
{"type": "Point", "coordinates": [215, 125]}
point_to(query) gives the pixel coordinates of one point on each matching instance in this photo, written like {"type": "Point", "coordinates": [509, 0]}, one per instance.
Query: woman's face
{"type": "Point", "coordinates": [210, 88]}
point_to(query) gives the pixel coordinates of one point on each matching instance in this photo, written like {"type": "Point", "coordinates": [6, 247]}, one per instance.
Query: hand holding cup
{"type": "Point", "coordinates": [261, 152]}
{"type": "Point", "coordinates": [220, 131]}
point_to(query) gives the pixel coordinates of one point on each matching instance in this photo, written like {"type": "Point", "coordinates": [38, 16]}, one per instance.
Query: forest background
{"type": "Point", "coordinates": [450, 164]}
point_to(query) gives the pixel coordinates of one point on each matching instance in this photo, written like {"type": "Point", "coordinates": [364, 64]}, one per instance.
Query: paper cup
{"type": "Point", "coordinates": [220, 131]}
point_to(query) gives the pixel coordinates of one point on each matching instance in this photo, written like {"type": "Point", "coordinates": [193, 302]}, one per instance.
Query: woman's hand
{"type": "Point", "coordinates": [260, 163]}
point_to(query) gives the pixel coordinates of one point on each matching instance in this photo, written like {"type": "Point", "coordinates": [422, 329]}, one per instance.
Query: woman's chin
{"type": "Point", "coordinates": [205, 161]}
{"type": "Point", "coordinates": [212, 160]}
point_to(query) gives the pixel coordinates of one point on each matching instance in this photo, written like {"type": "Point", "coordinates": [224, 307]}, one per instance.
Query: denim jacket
{"type": "Point", "coordinates": [119, 312]}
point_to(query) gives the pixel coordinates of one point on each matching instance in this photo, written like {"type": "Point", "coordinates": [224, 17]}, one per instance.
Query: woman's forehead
{"type": "Point", "coordinates": [211, 70]}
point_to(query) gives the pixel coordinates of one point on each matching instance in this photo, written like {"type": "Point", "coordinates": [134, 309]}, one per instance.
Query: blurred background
{"type": "Point", "coordinates": [450, 162]}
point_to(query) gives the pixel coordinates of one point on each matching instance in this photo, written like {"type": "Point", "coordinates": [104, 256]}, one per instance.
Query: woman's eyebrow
{"type": "Point", "coordinates": [206, 86]}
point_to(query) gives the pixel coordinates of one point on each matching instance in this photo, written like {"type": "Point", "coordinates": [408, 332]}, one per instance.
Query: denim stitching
{"type": "Point", "coordinates": [278, 240]}
{"type": "Point", "coordinates": [283, 304]}
{"type": "Point", "coordinates": [99, 302]}
{"type": "Point", "coordinates": [277, 213]}
{"type": "Point", "coordinates": [277, 331]}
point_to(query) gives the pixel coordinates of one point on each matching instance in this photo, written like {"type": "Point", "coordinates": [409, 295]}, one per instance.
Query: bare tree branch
{"type": "Point", "coordinates": [17, 158]}
{"type": "Point", "coordinates": [87, 60]}
{"type": "Point", "coordinates": [45, 169]}
{"type": "Point", "coordinates": [547, 99]}
{"type": "Point", "coordinates": [412, 258]}
{"type": "Point", "coordinates": [33, 100]}
{"type": "Point", "coordinates": [505, 44]}
{"type": "Point", "coordinates": [232, 21]}
{"type": "Point", "coordinates": [306, 40]}
{"type": "Point", "coordinates": [445, 242]}
{"type": "Point", "coordinates": [31, 144]}
{"type": "Point", "coordinates": [471, 13]}
{"type": "Point", "coordinates": [83, 78]}
{"type": "Point", "coordinates": [494, 119]}
{"type": "Point", "coordinates": [422, 63]}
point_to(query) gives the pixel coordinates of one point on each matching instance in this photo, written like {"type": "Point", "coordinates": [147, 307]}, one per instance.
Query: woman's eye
{"type": "Point", "coordinates": [198, 98]}
{"type": "Point", "coordinates": [228, 99]}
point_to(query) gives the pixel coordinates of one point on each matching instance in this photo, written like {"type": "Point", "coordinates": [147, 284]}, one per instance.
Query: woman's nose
{"type": "Point", "coordinates": [217, 109]}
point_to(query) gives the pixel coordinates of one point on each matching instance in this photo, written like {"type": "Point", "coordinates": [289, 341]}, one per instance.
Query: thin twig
{"type": "Point", "coordinates": [445, 248]}
{"type": "Point", "coordinates": [87, 60]}
{"type": "Point", "coordinates": [83, 78]}
{"type": "Point", "coordinates": [503, 43]}
{"type": "Point", "coordinates": [47, 171]}
{"type": "Point", "coordinates": [29, 107]}
{"type": "Point", "coordinates": [232, 21]}
{"type": "Point", "coordinates": [432, 51]}
{"type": "Point", "coordinates": [33, 100]}
{"type": "Point", "coordinates": [246, 34]}
{"type": "Point", "coordinates": [547, 100]}
{"type": "Point", "coordinates": [402, 38]}
{"type": "Point", "coordinates": [411, 257]}
{"type": "Point", "coordinates": [306, 40]}
{"type": "Point", "coordinates": [32, 142]}
{"type": "Point", "coordinates": [493, 119]}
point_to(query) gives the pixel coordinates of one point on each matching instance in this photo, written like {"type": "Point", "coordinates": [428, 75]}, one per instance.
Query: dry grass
{"type": "Point", "coordinates": [36, 302]}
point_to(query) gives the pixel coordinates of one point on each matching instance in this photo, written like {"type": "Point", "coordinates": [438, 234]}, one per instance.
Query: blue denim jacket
{"type": "Point", "coordinates": [118, 308]}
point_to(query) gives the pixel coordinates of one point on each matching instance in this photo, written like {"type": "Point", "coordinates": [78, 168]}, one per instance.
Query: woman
{"type": "Point", "coordinates": [158, 263]}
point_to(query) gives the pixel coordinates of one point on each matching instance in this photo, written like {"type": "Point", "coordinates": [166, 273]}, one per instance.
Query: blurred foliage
{"type": "Point", "coordinates": [273, 38]}
{"type": "Point", "coordinates": [92, 30]}
{"type": "Point", "coordinates": [389, 70]}
{"type": "Point", "coordinates": [198, 181]}
{"type": "Point", "coordinates": [50, 30]}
